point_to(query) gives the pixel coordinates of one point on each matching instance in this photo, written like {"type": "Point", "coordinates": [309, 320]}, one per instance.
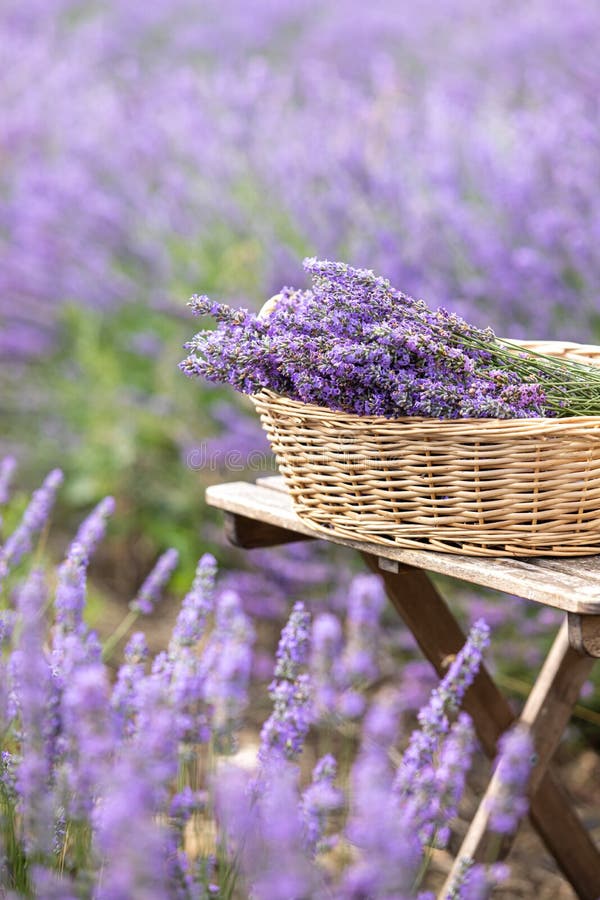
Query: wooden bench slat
{"type": "Point", "coordinates": [572, 585]}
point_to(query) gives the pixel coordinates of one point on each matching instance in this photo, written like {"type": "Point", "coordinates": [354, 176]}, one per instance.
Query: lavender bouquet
{"type": "Point", "coordinates": [354, 343]}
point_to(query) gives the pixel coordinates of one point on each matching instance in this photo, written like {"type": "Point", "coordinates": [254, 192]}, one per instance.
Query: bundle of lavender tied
{"type": "Point", "coordinates": [355, 344]}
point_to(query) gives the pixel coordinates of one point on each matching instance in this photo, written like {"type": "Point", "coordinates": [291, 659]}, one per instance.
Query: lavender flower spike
{"type": "Point", "coordinates": [320, 799]}
{"type": "Point", "coordinates": [128, 838]}
{"type": "Point", "coordinates": [284, 731]}
{"type": "Point", "coordinates": [464, 668]}
{"type": "Point", "coordinates": [433, 718]}
{"type": "Point", "coordinates": [515, 760]}
{"type": "Point", "coordinates": [196, 607]}
{"type": "Point", "coordinates": [292, 651]}
{"type": "Point", "coordinates": [34, 518]}
{"type": "Point", "coordinates": [230, 652]}
{"type": "Point", "coordinates": [89, 736]}
{"type": "Point", "coordinates": [325, 652]}
{"type": "Point", "coordinates": [129, 676]}
{"type": "Point", "coordinates": [475, 882]}
{"type": "Point", "coordinates": [7, 470]}
{"type": "Point", "coordinates": [91, 531]}
{"type": "Point", "coordinates": [150, 591]}
{"type": "Point", "coordinates": [70, 590]}
{"type": "Point", "coordinates": [454, 763]}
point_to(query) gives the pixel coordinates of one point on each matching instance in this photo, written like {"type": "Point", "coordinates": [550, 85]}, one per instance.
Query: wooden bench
{"type": "Point", "coordinates": [261, 515]}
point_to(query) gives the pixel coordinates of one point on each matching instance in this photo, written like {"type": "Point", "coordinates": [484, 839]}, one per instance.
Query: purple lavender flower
{"type": "Point", "coordinates": [71, 589]}
{"type": "Point", "coordinates": [475, 882]}
{"type": "Point", "coordinates": [8, 618]}
{"type": "Point", "coordinates": [319, 800]}
{"type": "Point", "coordinates": [92, 529]}
{"type": "Point", "coordinates": [286, 728]}
{"type": "Point", "coordinates": [34, 518]}
{"type": "Point", "coordinates": [150, 591]}
{"type": "Point", "coordinates": [130, 867]}
{"type": "Point", "coordinates": [284, 731]}
{"type": "Point", "coordinates": [185, 676]}
{"type": "Point", "coordinates": [73, 643]}
{"type": "Point", "coordinates": [292, 651]}
{"type": "Point", "coordinates": [288, 872]}
{"type": "Point", "coordinates": [516, 758]}
{"type": "Point", "coordinates": [129, 676]}
{"type": "Point", "coordinates": [414, 773]}
{"type": "Point", "coordinates": [154, 745]}
{"type": "Point", "coordinates": [454, 763]}
{"type": "Point", "coordinates": [184, 804]}
{"type": "Point", "coordinates": [450, 154]}
{"type": "Point", "coordinates": [228, 663]}
{"type": "Point", "coordinates": [237, 813]}
{"type": "Point", "coordinates": [389, 858]}
{"type": "Point", "coordinates": [88, 738]}
{"type": "Point", "coordinates": [196, 607]}
{"type": "Point", "coordinates": [359, 663]}
{"type": "Point", "coordinates": [326, 647]}
{"type": "Point", "coordinates": [183, 671]}
{"type": "Point", "coordinates": [266, 833]}
{"type": "Point", "coordinates": [50, 885]}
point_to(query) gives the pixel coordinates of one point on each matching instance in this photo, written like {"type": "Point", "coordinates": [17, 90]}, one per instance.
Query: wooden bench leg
{"type": "Point", "coordinates": [584, 634]}
{"type": "Point", "coordinates": [439, 635]}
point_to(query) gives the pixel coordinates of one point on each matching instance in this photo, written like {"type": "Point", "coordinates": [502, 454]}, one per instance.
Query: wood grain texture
{"type": "Point", "coordinates": [584, 634]}
{"type": "Point", "coordinates": [571, 585]}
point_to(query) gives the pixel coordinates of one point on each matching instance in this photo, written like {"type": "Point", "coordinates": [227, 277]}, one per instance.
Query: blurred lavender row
{"type": "Point", "coordinates": [150, 150]}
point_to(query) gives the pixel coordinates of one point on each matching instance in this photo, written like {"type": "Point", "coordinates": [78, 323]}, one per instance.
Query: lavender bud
{"type": "Point", "coordinates": [516, 758]}
{"type": "Point", "coordinates": [150, 591]}
{"type": "Point", "coordinates": [34, 518]}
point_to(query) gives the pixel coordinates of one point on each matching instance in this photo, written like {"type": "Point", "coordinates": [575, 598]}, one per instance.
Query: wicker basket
{"type": "Point", "coordinates": [483, 487]}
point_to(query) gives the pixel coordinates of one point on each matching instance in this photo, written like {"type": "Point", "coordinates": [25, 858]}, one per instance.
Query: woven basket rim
{"type": "Point", "coordinates": [270, 397]}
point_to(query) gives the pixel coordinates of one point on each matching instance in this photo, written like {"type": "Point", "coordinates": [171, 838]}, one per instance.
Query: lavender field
{"type": "Point", "coordinates": [178, 718]}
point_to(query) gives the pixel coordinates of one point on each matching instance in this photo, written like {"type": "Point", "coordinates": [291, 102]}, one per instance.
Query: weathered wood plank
{"type": "Point", "coordinates": [584, 634]}
{"type": "Point", "coordinates": [546, 714]}
{"type": "Point", "coordinates": [558, 585]}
